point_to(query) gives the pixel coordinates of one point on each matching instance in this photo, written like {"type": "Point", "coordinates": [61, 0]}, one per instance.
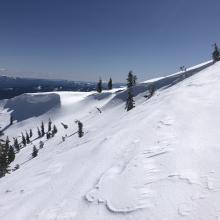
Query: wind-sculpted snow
{"type": "Point", "coordinates": [160, 83]}
{"type": "Point", "coordinates": [27, 105]}
{"type": "Point", "coordinates": [123, 188]}
{"type": "Point", "coordinates": [159, 161]}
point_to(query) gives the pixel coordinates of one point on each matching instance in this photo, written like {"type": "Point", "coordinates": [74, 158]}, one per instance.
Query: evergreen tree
{"type": "Point", "coordinates": [130, 101]}
{"type": "Point", "coordinates": [3, 160]}
{"type": "Point", "coordinates": [34, 152]}
{"type": "Point", "coordinates": [48, 135]}
{"type": "Point", "coordinates": [11, 119]}
{"type": "Point", "coordinates": [11, 154]}
{"type": "Point", "coordinates": [30, 133]}
{"type": "Point", "coordinates": [27, 138]}
{"type": "Point", "coordinates": [80, 129]}
{"type": "Point", "coordinates": [54, 131]}
{"type": "Point", "coordinates": [38, 132]}
{"type": "Point", "coordinates": [216, 53]}
{"type": "Point", "coordinates": [23, 140]}
{"type": "Point", "coordinates": [110, 84]}
{"type": "Point", "coordinates": [41, 144]}
{"type": "Point", "coordinates": [42, 129]}
{"type": "Point", "coordinates": [99, 86]}
{"type": "Point", "coordinates": [49, 125]}
{"type": "Point", "coordinates": [7, 142]}
{"type": "Point", "coordinates": [131, 80]}
{"type": "Point", "coordinates": [16, 145]}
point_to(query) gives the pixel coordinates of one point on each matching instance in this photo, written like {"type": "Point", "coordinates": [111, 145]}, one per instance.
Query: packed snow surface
{"type": "Point", "coordinates": [159, 161]}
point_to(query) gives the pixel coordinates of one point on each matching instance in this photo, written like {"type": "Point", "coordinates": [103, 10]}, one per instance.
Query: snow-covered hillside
{"type": "Point", "coordinates": [159, 161]}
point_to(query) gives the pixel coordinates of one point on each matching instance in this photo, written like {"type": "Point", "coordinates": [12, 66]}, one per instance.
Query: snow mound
{"type": "Point", "coordinates": [32, 105]}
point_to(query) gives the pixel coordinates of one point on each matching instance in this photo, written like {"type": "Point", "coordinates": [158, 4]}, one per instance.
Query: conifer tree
{"type": "Point", "coordinates": [16, 145]}
{"type": "Point", "coordinates": [30, 133]}
{"type": "Point", "coordinates": [49, 125]}
{"type": "Point", "coordinates": [216, 53]}
{"type": "Point", "coordinates": [131, 80]}
{"type": "Point", "coordinates": [42, 129]}
{"type": "Point", "coordinates": [130, 101]}
{"type": "Point", "coordinates": [41, 144]}
{"type": "Point", "coordinates": [99, 86]}
{"type": "Point", "coordinates": [54, 131]}
{"type": "Point", "coordinates": [11, 119]}
{"type": "Point", "coordinates": [110, 84]}
{"type": "Point", "coordinates": [38, 132]}
{"type": "Point", "coordinates": [34, 152]}
{"type": "Point", "coordinates": [7, 142]}
{"type": "Point", "coordinates": [27, 138]}
{"type": "Point", "coordinates": [11, 154]}
{"type": "Point", "coordinates": [80, 129]}
{"type": "Point", "coordinates": [3, 160]}
{"type": "Point", "coordinates": [48, 135]}
{"type": "Point", "coordinates": [23, 140]}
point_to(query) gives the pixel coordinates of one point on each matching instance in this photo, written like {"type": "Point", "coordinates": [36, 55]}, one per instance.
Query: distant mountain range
{"type": "Point", "coordinates": [13, 86]}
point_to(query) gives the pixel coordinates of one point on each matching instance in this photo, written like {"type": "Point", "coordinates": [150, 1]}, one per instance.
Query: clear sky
{"type": "Point", "coordinates": [85, 39]}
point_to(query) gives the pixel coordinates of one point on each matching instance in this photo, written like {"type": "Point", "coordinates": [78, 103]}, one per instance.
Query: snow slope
{"type": "Point", "coordinates": [159, 161]}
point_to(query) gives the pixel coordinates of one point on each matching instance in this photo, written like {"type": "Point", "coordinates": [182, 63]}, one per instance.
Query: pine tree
{"type": "Point", "coordinates": [23, 140]}
{"type": "Point", "coordinates": [216, 53]}
{"type": "Point", "coordinates": [11, 119]}
{"type": "Point", "coordinates": [99, 86]}
{"type": "Point", "coordinates": [7, 142]}
{"type": "Point", "coordinates": [131, 80]}
{"type": "Point", "coordinates": [80, 129]}
{"type": "Point", "coordinates": [27, 138]}
{"type": "Point", "coordinates": [110, 84]}
{"type": "Point", "coordinates": [38, 132]}
{"type": "Point", "coordinates": [54, 131]}
{"type": "Point", "coordinates": [30, 133]}
{"type": "Point", "coordinates": [11, 154]}
{"type": "Point", "coordinates": [41, 144]}
{"type": "Point", "coordinates": [3, 160]}
{"type": "Point", "coordinates": [16, 145]}
{"type": "Point", "coordinates": [42, 129]}
{"type": "Point", "coordinates": [48, 135]}
{"type": "Point", "coordinates": [49, 125]}
{"type": "Point", "coordinates": [34, 152]}
{"type": "Point", "coordinates": [130, 101]}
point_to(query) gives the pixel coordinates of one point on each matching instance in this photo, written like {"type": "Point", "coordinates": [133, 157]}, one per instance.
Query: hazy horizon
{"type": "Point", "coordinates": [84, 40]}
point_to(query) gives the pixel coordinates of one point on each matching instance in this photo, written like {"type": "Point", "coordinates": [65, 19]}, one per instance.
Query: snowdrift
{"type": "Point", "coordinates": [28, 105]}
{"type": "Point", "coordinates": [158, 161]}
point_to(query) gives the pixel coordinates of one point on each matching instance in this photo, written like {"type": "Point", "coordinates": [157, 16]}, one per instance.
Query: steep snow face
{"type": "Point", "coordinates": [158, 161]}
{"type": "Point", "coordinates": [29, 105]}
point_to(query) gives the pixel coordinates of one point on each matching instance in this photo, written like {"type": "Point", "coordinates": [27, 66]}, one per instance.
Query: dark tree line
{"type": "Point", "coordinates": [7, 155]}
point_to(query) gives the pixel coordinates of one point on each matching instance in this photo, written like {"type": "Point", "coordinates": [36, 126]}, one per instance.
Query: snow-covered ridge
{"type": "Point", "coordinates": [158, 161]}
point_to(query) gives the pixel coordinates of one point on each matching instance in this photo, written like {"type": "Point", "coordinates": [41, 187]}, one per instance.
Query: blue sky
{"type": "Point", "coordinates": [85, 39]}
